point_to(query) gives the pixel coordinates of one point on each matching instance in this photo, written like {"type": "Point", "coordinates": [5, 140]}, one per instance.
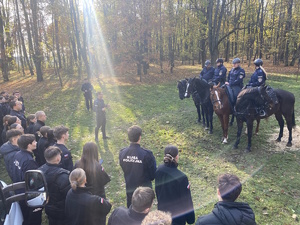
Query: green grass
{"type": "Point", "coordinates": [270, 178]}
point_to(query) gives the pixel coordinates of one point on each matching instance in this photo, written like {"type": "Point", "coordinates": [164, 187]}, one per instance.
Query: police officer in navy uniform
{"type": "Point", "coordinates": [87, 89]}
{"type": "Point", "coordinates": [235, 78]}
{"type": "Point", "coordinates": [220, 73]}
{"type": "Point", "coordinates": [137, 163]}
{"type": "Point", "coordinates": [208, 71]}
{"type": "Point", "coordinates": [100, 108]}
{"type": "Point", "coordinates": [257, 79]}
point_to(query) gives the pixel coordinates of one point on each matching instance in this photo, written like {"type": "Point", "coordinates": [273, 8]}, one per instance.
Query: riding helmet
{"type": "Point", "coordinates": [258, 62]}
{"type": "Point", "coordinates": [207, 62]}
{"type": "Point", "coordinates": [236, 60]}
{"type": "Point", "coordinates": [220, 61]}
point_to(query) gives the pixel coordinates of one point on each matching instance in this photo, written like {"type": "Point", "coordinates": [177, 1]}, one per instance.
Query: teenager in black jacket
{"type": "Point", "coordinates": [173, 189]}
{"type": "Point", "coordinates": [227, 211]}
{"type": "Point", "coordinates": [58, 186]}
{"type": "Point", "coordinates": [83, 208]}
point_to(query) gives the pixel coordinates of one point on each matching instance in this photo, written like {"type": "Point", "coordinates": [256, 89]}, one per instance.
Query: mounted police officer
{"type": "Point", "coordinates": [208, 71]}
{"type": "Point", "coordinates": [257, 79]}
{"type": "Point", "coordinates": [220, 72]}
{"type": "Point", "coordinates": [235, 78]}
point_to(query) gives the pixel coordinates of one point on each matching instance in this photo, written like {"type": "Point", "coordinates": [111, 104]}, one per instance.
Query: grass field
{"type": "Point", "coordinates": [270, 173]}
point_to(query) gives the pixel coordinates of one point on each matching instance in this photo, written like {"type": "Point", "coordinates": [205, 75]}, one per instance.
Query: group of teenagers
{"type": "Point", "coordinates": [77, 191]}
{"type": "Point", "coordinates": [235, 76]}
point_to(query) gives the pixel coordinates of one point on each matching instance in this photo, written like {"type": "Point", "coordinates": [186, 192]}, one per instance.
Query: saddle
{"type": "Point", "coordinates": [271, 93]}
{"type": "Point", "coordinates": [230, 95]}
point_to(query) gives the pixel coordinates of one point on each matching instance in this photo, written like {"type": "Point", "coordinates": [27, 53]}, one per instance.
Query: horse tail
{"type": "Point", "coordinates": [293, 119]}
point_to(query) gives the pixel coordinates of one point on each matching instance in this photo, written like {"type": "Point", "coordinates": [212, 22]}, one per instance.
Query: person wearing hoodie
{"type": "Point", "coordinates": [10, 148]}
{"type": "Point", "coordinates": [227, 211]}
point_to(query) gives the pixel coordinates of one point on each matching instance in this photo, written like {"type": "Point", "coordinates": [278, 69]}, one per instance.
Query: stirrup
{"type": "Point", "coordinates": [262, 113]}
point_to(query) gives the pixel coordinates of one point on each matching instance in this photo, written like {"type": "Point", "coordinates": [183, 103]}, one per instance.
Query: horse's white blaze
{"type": "Point", "coordinates": [219, 101]}
{"type": "Point", "coordinates": [187, 88]}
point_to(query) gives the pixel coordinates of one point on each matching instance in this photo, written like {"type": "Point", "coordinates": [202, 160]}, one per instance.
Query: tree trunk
{"type": "Point", "coordinates": [170, 36]}
{"type": "Point", "coordinates": [2, 49]}
{"type": "Point", "coordinates": [57, 42]}
{"type": "Point", "coordinates": [30, 43]}
{"type": "Point", "coordinates": [287, 30]}
{"type": "Point", "coordinates": [76, 31]}
{"type": "Point", "coordinates": [37, 57]}
{"type": "Point", "coordinates": [23, 41]}
{"type": "Point", "coordinates": [161, 50]}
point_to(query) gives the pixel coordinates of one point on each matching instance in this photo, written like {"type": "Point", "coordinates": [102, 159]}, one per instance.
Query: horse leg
{"type": "Point", "coordinates": [232, 120]}
{"type": "Point", "coordinates": [250, 129]}
{"type": "Point", "coordinates": [222, 125]}
{"type": "Point", "coordinates": [211, 113]}
{"type": "Point", "coordinates": [198, 112]}
{"type": "Point", "coordinates": [225, 129]}
{"type": "Point", "coordinates": [203, 115]}
{"type": "Point", "coordinates": [207, 118]}
{"type": "Point", "coordinates": [280, 120]}
{"type": "Point", "coordinates": [239, 132]}
{"type": "Point", "coordinates": [289, 122]}
{"type": "Point", "coordinates": [257, 126]}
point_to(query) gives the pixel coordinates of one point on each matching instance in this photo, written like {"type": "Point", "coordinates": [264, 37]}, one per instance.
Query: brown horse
{"type": "Point", "coordinates": [222, 108]}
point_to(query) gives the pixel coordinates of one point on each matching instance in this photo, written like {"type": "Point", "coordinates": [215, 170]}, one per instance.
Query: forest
{"type": "Point", "coordinates": [88, 37]}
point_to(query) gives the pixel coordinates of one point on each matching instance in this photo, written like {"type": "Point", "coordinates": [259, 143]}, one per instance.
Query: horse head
{"type": "Point", "coordinates": [189, 87]}
{"type": "Point", "coordinates": [181, 85]}
{"type": "Point", "coordinates": [215, 96]}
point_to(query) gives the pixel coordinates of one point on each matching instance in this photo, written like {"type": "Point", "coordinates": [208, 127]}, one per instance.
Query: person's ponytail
{"type": "Point", "coordinates": [264, 71]}
{"type": "Point", "coordinates": [77, 178]}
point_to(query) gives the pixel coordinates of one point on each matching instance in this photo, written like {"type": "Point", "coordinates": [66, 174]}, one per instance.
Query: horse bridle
{"type": "Point", "coordinates": [218, 100]}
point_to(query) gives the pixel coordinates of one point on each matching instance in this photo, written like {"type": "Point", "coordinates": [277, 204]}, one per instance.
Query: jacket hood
{"type": "Point", "coordinates": [8, 148]}
{"type": "Point", "coordinates": [234, 213]}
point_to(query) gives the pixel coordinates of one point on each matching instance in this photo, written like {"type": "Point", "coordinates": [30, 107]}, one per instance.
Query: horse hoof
{"type": "Point", "coordinates": [289, 144]}
{"type": "Point", "coordinates": [278, 140]}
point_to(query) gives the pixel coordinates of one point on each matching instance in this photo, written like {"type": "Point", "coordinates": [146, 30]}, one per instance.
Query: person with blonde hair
{"type": "Point", "coordinates": [158, 217]}
{"type": "Point", "coordinates": [81, 207]}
